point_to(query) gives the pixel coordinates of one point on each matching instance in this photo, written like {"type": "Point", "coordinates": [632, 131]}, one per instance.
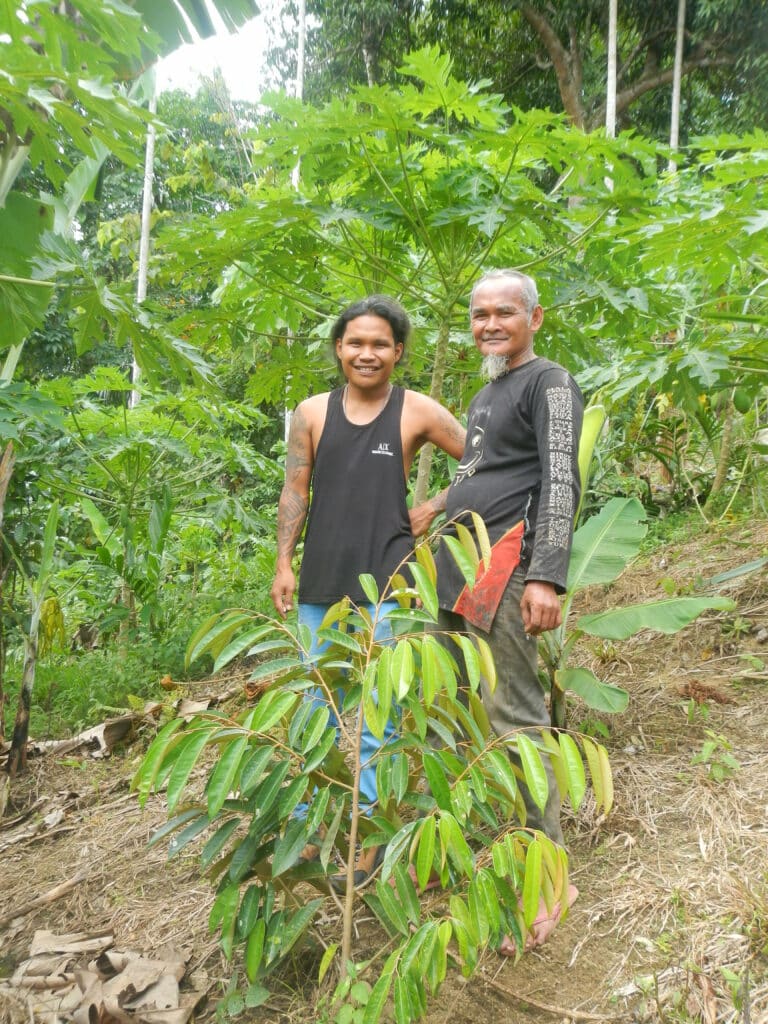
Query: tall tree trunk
{"type": "Point", "coordinates": [146, 216]}
{"type": "Point", "coordinates": [6, 470]}
{"type": "Point", "coordinates": [674, 128]}
{"type": "Point", "coordinates": [299, 92]}
{"type": "Point", "coordinates": [610, 92]}
{"type": "Point", "coordinates": [724, 458]}
{"type": "Point", "coordinates": [17, 756]}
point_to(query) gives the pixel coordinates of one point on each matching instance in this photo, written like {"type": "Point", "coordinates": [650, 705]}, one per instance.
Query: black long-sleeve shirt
{"type": "Point", "coordinates": [520, 464]}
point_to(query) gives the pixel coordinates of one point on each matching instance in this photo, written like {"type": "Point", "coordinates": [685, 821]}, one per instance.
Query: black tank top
{"type": "Point", "coordinates": [358, 518]}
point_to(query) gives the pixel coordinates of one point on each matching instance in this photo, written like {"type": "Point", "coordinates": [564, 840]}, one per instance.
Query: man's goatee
{"type": "Point", "coordinates": [493, 367]}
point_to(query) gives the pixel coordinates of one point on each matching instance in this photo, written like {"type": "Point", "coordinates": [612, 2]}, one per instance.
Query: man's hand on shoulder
{"type": "Point", "coordinates": [540, 606]}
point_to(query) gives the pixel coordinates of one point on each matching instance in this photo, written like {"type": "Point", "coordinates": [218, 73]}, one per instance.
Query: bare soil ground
{"type": "Point", "coordinates": [672, 920]}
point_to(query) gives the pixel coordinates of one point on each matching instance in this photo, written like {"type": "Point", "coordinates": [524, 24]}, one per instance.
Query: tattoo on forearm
{"type": "Point", "coordinates": [291, 516]}
{"type": "Point", "coordinates": [439, 500]}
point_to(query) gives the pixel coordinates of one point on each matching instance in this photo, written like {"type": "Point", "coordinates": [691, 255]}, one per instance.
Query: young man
{"type": "Point", "coordinates": [355, 446]}
{"type": "Point", "coordinates": [520, 473]}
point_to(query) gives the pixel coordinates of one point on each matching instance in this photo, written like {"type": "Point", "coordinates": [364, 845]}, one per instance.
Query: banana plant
{"type": "Point", "coordinates": [602, 548]}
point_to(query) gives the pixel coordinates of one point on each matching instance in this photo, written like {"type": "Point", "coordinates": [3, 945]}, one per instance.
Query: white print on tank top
{"type": "Point", "coordinates": [383, 449]}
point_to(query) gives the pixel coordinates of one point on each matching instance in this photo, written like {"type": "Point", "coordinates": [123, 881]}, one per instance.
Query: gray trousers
{"type": "Point", "coordinates": [518, 700]}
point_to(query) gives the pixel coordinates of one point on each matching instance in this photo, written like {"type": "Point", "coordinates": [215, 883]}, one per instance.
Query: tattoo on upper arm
{"type": "Point", "coordinates": [298, 455]}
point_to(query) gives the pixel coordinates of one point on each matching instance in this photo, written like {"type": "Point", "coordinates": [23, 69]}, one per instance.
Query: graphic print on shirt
{"type": "Point", "coordinates": [473, 453]}
{"type": "Point", "coordinates": [383, 449]}
{"type": "Point", "coordinates": [560, 446]}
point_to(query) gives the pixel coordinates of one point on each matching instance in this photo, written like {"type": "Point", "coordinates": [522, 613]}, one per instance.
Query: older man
{"type": "Point", "coordinates": [519, 472]}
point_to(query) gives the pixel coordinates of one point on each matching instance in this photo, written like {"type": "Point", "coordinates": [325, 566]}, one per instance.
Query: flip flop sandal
{"type": "Point", "coordinates": [361, 877]}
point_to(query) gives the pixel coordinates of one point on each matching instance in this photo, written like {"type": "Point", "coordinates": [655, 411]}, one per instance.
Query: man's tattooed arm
{"type": "Point", "coordinates": [294, 499]}
{"type": "Point", "coordinates": [292, 509]}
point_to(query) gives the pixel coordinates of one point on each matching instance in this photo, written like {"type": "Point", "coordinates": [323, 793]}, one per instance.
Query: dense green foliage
{"type": "Point", "coordinates": [409, 169]}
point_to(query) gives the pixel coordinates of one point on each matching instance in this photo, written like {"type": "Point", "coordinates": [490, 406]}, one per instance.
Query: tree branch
{"type": "Point", "coordinates": [567, 63]}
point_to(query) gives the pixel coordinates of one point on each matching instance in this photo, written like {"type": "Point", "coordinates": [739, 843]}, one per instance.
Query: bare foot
{"type": "Point", "coordinates": [543, 926]}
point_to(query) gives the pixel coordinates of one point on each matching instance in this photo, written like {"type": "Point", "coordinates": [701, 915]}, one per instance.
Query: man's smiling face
{"type": "Point", "coordinates": [501, 325]}
{"type": "Point", "coordinates": [367, 351]}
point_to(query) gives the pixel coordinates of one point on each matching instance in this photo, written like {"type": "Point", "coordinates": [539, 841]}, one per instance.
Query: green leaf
{"type": "Point", "coordinates": [185, 759]}
{"type": "Point", "coordinates": [173, 823]}
{"type": "Point", "coordinates": [292, 928]}
{"type": "Point", "coordinates": [426, 589]}
{"type": "Point", "coordinates": [320, 751]}
{"type": "Point", "coordinates": [369, 587]}
{"type": "Point", "coordinates": [577, 783]}
{"type": "Point", "coordinates": [594, 692]}
{"type": "Point", "coordinates": [402, 668]}
{"type": "Point", "coordinates": [214, 634]}
{"type": "Point", "coordinates": [425, 854]}
{"type": "Point", "coordinates": [666, 616]}
{"type": "Point", "coordinates": [217, 842]}
{"type": "Point", "coordinates": [289, 846]}
{"type": "Point", "coordinates": [501, 771]}
{"type": "Point", "coordinates": [253, 769]}
{"type": "Point", "coordinates": [455, 845]}
{"type": "Point", "coordinates": [256, 995]}
{"type": "Point", "coordinates": [254, 949]}
{"type": "Point", "coordinates": [437, 781]}
{"type": "Point", "coordinates": [533, 770]}
{"type": "Point", "coordinates": [273, 706]}
{"type": "Point", "coordinates": [592, 424]}
{"type": "Point", "coordinates": [349, 641]}
{"type": "Point", "coordinates": [471, 659]}
{"type": "Point", "coordinates": [144, 779]}
{"type": "Point", "coordinates": [224, 774]}
{"type": "Point", "coordinates": [466, 566]}
{"type": "Point", "coordinates": [532, 883]}
{"type": "Point", "coordinates": [379, 994]}
{"type": "Point", "coordinates": [604, 545]}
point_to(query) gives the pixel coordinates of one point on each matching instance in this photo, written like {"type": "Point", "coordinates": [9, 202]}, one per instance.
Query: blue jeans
{"type": "Point", "coordinates": [312, 615]}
